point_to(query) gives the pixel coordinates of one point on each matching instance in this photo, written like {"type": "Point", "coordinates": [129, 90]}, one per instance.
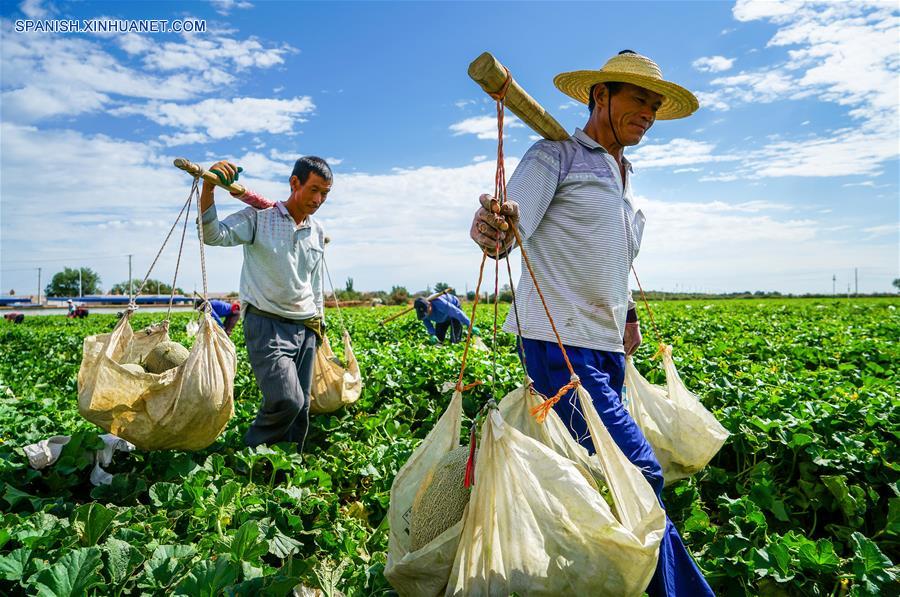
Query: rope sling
{"type": "Point", "coordinates": [184, 407]}
{"type": "Point", "coordinates": [336, 382]}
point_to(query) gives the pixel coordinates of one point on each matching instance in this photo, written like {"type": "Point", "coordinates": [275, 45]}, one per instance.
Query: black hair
{"type": "Point", "coordinates": [309, 164]}
{"type": "Point", "coordinates": [612, 87]}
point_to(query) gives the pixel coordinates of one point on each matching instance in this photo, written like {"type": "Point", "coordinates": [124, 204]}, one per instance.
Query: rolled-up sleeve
{"type": "Point", "coordinates": [237, 229]}
{"type": "Point", "coordinates": [534, 183]}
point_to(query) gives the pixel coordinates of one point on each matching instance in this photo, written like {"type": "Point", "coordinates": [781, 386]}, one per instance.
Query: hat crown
{"type": "Point", "coordinates": [634, 64]}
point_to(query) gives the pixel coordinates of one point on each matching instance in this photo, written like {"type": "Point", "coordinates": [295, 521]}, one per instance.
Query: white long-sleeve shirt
{"type": "Point", "coordinates": [581, 232]}
{"type": "Point", "coordinates": [282, 271]}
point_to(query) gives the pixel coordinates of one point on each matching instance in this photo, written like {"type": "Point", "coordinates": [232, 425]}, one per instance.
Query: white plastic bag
{"type": "Point", "coordinates": [536, 526]}
{"type": "Point", "coordinates": [516, 408]}
{"type": "Point", "coordinates": [47, 451]}
{"type": "Point", "coordinates": [185, 408]}
{"type": "Point", "coordinates": [335, 383]}
{"type": "Point", "coordinates": [422, 573]}
{"type": "Point", "coordinates": [683, 433]}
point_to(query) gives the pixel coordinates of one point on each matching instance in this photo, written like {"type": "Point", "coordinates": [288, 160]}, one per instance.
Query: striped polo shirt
{"type": "Point", "coordinates": [581, 232]}
{"type": "Point", "coordinates": [282, 270]}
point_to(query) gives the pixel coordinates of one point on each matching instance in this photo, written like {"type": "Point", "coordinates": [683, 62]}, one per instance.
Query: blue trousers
{"type": "Point", "coordinates": [602, 375]}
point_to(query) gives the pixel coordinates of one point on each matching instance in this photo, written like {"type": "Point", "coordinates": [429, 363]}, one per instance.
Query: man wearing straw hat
{"type": "Point", "coordinates": [282, 291]}
{"type": "Point", "coordinates": [571, 202]}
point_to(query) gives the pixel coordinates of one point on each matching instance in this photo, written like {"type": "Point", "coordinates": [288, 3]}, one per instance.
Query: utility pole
{"type": "Point", "coordinates": [855, 281]}
{"type": "Point", "coordinates": [833, 285]}
{"type": "Point", "coordinates": [39, 286]}
{"type": "Point", "coordinates": [130, 289]}
{"type": "Point", "coordinates": [80, 293]}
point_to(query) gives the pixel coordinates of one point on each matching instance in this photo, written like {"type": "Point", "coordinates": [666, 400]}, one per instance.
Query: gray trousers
{"type": "Point", "coordinates": [282, 356]}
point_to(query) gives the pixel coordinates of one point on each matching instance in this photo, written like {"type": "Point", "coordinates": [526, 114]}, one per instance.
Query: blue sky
{"type": "Point", "coordinates": [786, 176]}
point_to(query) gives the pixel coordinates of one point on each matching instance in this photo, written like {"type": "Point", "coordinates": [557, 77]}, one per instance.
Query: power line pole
{"type": "Point", "coordinates": [80, 293]}
{"type": "Point", "coordinates": [855, 281]}
{"type": "Point", "coordinates": [833, 285]}
{"type": "Point", "coordinates": [39, 286]}
{"type": "Point", "coordinates": [130, 289]}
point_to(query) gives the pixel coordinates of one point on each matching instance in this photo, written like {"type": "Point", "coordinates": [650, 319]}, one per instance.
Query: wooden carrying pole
{"type": "Point", "coordinates": [195, 170]}
{"type": "Point", "coordinates": [491, 75]}
{"type": "Point", "coordinates": [408, 309]}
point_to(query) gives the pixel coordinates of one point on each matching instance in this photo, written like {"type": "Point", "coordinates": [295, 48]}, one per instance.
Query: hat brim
{"type": "Point", "coordinates": [678, 102]}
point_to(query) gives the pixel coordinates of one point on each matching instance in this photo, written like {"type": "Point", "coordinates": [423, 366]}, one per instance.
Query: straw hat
{"type": "Point", "coordinates": [629, 67]}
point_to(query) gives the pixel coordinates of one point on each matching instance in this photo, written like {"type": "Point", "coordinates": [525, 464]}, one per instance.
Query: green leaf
{"type": "Point", "coordinates": [167, 565]}
{"type": "Point", "coordinates": [893, 518]}
{"type": "Point", "coordinates": [91, 521]}
{"type": "Point", "coordinates": [123, 560]}
{"type": "Point", "coordinates": [208, 578]}
{"type": "Point", "coordinates": [282, 546]}
{"type": "Point", "coordinates": [848, 501]}
{"type": "Point", "coordinates": [75, 574]}
{"type": "Point", "coordinates": [870, 565]}
{"type": "Point", "coordinates": [166, 495]}
{"type": "Point", "coordinates": [819, 556]}
{"type": "Point", "coordinates": [245, 545]}
{"type": "Point", "coordinates": [12, 566]}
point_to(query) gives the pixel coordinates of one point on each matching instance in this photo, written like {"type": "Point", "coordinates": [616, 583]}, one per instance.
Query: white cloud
{"type": "Point", "coordinates": [883, 230]}
{"type": "Point", "coordinates": [224, 7]}
{"type": "Point", "coordinates": [843, 53]}
{"type": "Point", "coordinates": [34, 9]}
{"type": "Point", "coordinates": [463, 103]}
{"type": "Point", "coordinates": [713, 64]}
{"type": "Point", "coordinates": [220, 118]}
{"type": "Point", "coordinates": [483, 127]}
{"type": "Point", "coordinates": [183, 139]}
{"type": "Point", "coordinates": [677, 152]}
{"type": "Point", "coordinates": [48, 76]}
{"type": "Point", "coordinates": [571, 104]}
{"type": "Point", "coordinates": [479, 158]}
{"type": "Point", "coordinates": [712, 100]}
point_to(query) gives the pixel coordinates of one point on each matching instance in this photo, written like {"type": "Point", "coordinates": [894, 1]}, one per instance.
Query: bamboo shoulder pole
{"type": "Point", "coordinates": [195, 170]}
{"type": "Point", "coordinates": [491, 75]}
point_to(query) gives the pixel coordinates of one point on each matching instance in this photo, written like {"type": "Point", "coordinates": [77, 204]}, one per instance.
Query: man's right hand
{"type": "Point", "coordinates": [225, 171]}
{"type": "Point", "coordinates": [487, 226]}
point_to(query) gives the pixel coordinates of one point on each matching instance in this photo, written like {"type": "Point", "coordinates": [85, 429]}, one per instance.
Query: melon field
{"type": "Point", "coordinates": [803, 499]}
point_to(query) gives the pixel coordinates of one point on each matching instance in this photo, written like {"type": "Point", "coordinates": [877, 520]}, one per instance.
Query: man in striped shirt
{"type": "Point", "coordinates": [571, 202]}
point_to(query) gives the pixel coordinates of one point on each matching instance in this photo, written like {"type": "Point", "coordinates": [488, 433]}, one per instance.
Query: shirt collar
{"type": "Point", "coordinates": [282, 208]}
{"type": "Point", "coordinates": [590, 143]}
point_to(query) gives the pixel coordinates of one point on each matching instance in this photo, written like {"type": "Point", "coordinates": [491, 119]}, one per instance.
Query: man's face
{"type": "Point", "coordinates": [312, 194]}
{"type": "Point", "coordinates": [633, 112]}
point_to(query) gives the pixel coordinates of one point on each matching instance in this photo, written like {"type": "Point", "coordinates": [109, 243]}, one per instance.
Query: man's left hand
{"type": "Point", "coordinates": [632, 338]}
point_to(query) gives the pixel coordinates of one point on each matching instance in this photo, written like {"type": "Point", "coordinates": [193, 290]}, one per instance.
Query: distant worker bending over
{"type": "Point", "coordinates": [225, 313]}
{"type": "Point", "coordinates": [439, 315]}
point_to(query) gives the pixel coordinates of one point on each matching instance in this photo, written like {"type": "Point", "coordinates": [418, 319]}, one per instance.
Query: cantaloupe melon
{"type": "Point", "coordinates": [165, 356]}
{"type": "Point", "coordinates": [133, 367]}
{"type": "Point", "coordinates": [441, 500]}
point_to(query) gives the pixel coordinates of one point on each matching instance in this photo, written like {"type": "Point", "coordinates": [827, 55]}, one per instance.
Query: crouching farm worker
{"type": "Point", "coordinates": [440, 315]}
{"type": "Point", "coordinates": [281, 292]}
{"type": "Point", "coordinates": [571, 202]}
